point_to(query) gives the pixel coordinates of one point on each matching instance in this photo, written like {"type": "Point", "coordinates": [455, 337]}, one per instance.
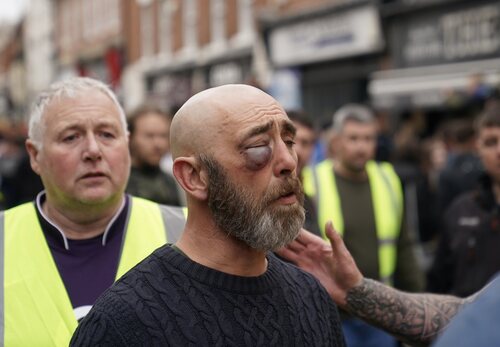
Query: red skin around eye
{"type": "Point", "coordinates": [257, 157]}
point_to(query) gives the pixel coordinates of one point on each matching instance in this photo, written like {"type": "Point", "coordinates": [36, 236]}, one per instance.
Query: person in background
{"type": "Point", "coordinates": [305, 139]}
{"type": "Point", "coordinates": [82, 232]}
{"type": "Point", "coordinates": [18, 182]}
{"type": "Point", "coordinates": [365, 201]}
{"type": "Point", "coordinates": [467, 255]}
{"type": "Point", "coordinates": [149, 141]}
{"type": "Point", "coordinates": [219, 285]}
{"type": "Point", "coordinates": [463, 166]}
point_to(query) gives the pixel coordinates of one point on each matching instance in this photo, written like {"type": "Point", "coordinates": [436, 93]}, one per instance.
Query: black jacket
{"type": "Point", "coordinates": [468, 253]}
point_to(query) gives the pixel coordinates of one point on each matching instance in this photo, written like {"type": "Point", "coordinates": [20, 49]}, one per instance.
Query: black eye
{"type": "Point", "coordinates": [257, 157]}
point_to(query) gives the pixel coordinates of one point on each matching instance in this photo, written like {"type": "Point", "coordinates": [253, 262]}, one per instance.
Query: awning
{"type": "Point", "coordinates": [430, 85]}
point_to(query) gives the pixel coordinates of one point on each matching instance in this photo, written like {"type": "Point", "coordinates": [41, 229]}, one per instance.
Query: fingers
{"type": "Point", "coordinates": [295, 246]}
{"type": "Point", "coordinates": [288, 254]}
{"type": "Point", "coordinates": [343, 257]}
{"type": "Point", "coordinates": [309, 240]}
{"type": "Point", "coordinates": [335, 239]}
{"type": "Point", "coordinates": [306, 237]}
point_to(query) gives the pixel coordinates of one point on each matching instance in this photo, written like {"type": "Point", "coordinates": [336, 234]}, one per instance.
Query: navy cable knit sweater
{"type": "Point", "coordinates": [169, 300]}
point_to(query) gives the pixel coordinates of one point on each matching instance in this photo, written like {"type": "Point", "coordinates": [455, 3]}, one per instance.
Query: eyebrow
{"type": "Point", "coordinates": [288, 128]}
{"type": "Point", "coordinates": [259, 129]}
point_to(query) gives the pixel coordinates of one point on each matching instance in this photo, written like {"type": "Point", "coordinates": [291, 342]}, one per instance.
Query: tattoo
{"type": "Point", "coordinates": [413, 318]}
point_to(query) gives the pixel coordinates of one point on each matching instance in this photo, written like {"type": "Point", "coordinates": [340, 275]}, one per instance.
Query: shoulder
{"type": "Point", "coordinates": [106, 324]}
{"type": "Point", "coordinates": [477, 323]}
{"type": "Point", "coordinates": [128, 301]}
{"type": "Point", "coordinates": [298, 280]}
{"type": "Point", "coordinates": [464, 202]}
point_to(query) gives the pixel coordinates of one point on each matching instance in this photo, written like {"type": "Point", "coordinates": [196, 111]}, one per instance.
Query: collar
{"type": "Point", "coordinates": [52, 230]}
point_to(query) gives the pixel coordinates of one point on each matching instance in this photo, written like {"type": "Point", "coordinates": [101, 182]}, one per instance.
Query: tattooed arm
{"type": "Point", "coordinates": [414, 318]}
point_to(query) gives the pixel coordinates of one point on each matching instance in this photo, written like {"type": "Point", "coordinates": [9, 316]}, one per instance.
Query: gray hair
{"type": "Point", "coordinates": [351, 112]}
{"type": "Point", "coordinates": [69, 88]}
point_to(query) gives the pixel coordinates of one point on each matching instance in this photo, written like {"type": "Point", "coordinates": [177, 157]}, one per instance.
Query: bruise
{"type": "Point", "coordinates": [257, 157]}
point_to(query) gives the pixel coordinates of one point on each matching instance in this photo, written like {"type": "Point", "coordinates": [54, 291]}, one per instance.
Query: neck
{"type": "Point", "coordinates": [81, 223]}
{"type": "Point", "coordinates": [207, 245]}
{"type": "Point", "coordinates": [344, 171]}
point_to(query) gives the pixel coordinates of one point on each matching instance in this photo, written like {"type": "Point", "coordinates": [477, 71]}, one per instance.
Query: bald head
{"type": "Point", "coordinates": [205, 116]}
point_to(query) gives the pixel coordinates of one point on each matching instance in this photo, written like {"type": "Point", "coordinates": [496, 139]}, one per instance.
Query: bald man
{"type": "Point", "coordinates": [220, 285]}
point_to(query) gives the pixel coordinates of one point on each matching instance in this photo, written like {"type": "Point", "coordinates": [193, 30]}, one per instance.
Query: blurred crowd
{"type": "Point", "coordinates": [435, 159]}
{"type": "Point", "coordinates": [432, 183]}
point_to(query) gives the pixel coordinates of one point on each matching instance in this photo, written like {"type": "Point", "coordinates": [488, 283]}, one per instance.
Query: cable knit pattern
{"type": "Point", "coordinates": [169, 300]}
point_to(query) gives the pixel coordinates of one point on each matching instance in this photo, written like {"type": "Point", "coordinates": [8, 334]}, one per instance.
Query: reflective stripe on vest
{"type": "Point", "coordinates": [387, 198]}
{"type": "Point", "coordinates": [36, 307]}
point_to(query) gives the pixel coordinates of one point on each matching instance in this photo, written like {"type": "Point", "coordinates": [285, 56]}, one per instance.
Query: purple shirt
{"type": "Point", "coordinates": [87, 267]}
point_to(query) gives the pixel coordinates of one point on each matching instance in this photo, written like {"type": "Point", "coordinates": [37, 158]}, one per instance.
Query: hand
{"type": "Point", "coordinates": [331, 264]}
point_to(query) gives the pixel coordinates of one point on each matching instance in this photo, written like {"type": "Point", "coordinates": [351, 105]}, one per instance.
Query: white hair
{"type": "Point", "coordinates": [355, 112]}
{"type": "Point", "coordinates": [68, 88]}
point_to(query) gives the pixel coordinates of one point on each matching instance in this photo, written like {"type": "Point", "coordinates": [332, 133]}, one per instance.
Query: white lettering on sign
{"type": "Point", "coordinates": [471, 33]}
{"type": "Point", "coordinates": [336, 35]}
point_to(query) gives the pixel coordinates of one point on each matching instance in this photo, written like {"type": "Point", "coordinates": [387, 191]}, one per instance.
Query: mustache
{"type": "Point", "coordinates": [291, 185]}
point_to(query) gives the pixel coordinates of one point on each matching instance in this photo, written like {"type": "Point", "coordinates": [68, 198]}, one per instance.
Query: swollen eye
{"type": "Point", "coordinates": [257, 157]}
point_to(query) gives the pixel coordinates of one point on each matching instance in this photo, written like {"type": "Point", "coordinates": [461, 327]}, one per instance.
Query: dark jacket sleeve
{"type": "Point", "coordinates": [440, 275]}
{"type": "Point", "coordinates": [409, 275]}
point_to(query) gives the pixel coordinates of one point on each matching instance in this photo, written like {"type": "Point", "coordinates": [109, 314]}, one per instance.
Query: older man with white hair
{"type": "Point", "coordinates": [82, 232]}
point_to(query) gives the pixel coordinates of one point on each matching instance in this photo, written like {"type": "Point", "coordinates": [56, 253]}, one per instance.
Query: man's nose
{"type": "Point", "coordinates": [285, 160]}
{"type": "Point", "coordinates": [160, 142]}
{"type": "Point", "coordinates": [93, 149]}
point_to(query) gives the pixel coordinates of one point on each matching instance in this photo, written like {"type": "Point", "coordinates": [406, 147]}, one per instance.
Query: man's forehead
{"type": "Point", "coordinates": [355, 126]}
{"type": "Point", "coordinates": [70, 110]}
{"type": "Point", "coordinates": [489, 131]}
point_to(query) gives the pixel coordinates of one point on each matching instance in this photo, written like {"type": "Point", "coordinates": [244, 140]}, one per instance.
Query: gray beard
{"type": "Point", "coordinates": [254, 221]}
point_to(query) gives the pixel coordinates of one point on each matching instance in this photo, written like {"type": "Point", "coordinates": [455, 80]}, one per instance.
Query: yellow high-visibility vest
{"type": "Point", "coordinates": [35, 307]}
{"type": "Point", "coordinates": [387, 197]}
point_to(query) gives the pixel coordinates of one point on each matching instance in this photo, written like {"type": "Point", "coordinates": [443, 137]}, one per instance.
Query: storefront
{"type": "Point", "coordinates": [438, 53]}
{"type": "Point", "coordinates": [332, 53]}
{"type": "Point", "coordinates": [172, 86]}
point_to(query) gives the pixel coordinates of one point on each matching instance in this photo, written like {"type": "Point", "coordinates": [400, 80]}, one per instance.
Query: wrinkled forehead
{"type": "Point", "coordinates": [81, 106]}
{"type": "Point", "coordinates": [254, 118]}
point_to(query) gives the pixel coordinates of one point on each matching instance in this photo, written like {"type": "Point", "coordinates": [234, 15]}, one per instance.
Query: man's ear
{"type": "Point", "coordinates": [190, 176]}
{"type": "Point", "coordinates": [33, 152]}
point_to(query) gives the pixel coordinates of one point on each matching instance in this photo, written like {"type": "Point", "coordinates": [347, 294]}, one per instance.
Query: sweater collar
{"type": "Point", "coordinates": [223, 281]}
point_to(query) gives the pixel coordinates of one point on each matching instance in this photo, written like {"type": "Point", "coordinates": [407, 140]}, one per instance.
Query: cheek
{"type": "Point", "coordinates": [121, 160]}
{"type": "Point", "coordinates": [62, 164]}
{"type": "Point", "coordinates": [490, 161]}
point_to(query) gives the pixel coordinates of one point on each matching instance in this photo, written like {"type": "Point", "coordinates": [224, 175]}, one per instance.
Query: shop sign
{"type": "Point", "coordinates": [170, 90]}
{"type": "Point", "coordinates": [333, 36]}
{"type": "Point", "coordinates": [225, 74]}
{"type": "Point", "coordinates": [454, 36]}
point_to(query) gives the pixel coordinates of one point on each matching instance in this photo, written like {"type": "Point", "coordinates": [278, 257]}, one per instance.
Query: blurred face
{"type": "Point", "coordinates": [356, 144]}
{"type": "Point", "coordinates": [254, 193]}
{"type": "Point", "coordinates": [149, 142]}
{"type": "Point", "coordinates": [488, 145]}
{"type": "Point", "coordinates": [84, 158]}
{"type": "Point", "coordinates": [304, 145]}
